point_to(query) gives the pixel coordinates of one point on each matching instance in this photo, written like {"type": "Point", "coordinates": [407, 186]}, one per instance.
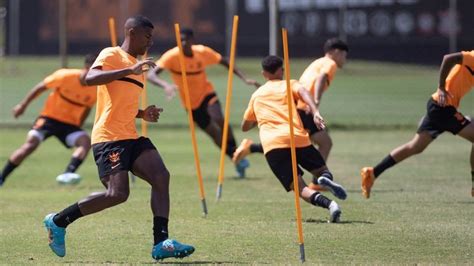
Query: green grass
{"type": "Point", "coordinates": [420, 211]}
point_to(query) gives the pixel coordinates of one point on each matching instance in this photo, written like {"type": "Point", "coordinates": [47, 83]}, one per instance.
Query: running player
{"type": "Point", "coordinates": [456, 79]}
{"type": "Point", "coordinates": [316, 78]}
{"type": "Point", "coordinates": [205, 105]}
{"type": "Point", "coordinates": [63, 114]}
{"type": "Point", "coordinates": [269, 110]}
{"type": "Point", "coordinates": [116, 145]}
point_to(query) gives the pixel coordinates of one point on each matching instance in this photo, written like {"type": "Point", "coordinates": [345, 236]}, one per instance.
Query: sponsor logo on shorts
{"type": "Point", "coordinates": [114, 158]}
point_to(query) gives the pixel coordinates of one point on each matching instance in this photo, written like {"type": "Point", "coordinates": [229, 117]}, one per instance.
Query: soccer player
{"type": "Point", "coordinates": [205, 105]}
{"type": "Point", "coordinates": [269, 110]}
{"type": "Point", "coordinates": [456, 79]}
{"type": "Point", "coordinates": [116, 145]}
{"type": "Point", "coordinates": [63, 114]}
{"type": "Point", "coordinates": [316, 78]}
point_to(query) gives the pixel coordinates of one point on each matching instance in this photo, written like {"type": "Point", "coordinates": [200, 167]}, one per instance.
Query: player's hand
{"type": "Point", "coordinates": [170, 91]}
{"type": "Point", "coordinates": [152, 113]}
{"type": "Point", "coordinates": [143, 66]}
{"type": "Point", "coordinates": [252, 82]}
{"type": "Point", "coordinates": [319, 121]}
{"type": "Point", "coordinates": [442, 97]}
{"type": "Point", "coordinates": [18, 110]}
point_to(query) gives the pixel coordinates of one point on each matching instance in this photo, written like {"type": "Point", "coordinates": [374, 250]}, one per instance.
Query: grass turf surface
{"type": "Point", "coordinates": [420, 211]}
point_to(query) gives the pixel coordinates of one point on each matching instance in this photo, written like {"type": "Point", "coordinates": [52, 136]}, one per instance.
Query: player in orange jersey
{"type": "Point", "coordinates": [63, 114]}
{"type": "Point", "coordinates": [205, 105]}
{"type": "Point", "coordinates": [117, 146]}
{"type": "Point", "coordinates": [269, 110]}
{"type": "Point", "coordinates": [456, 79]}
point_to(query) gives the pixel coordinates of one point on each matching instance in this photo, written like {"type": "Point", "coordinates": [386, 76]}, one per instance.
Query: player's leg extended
{"type": "Point", "coordinates": [324, 143]}
{"type": "Point", "coordinates": [82, 143]}
{"type": "Point", "coordinates": [117, 192]}
{"type": "Point", "coordinates": [32, 142]}
{"type": "Point", "coordinates": [215, 112]}
{"type": "Point", "coordinates": [415, 146]}
{"type": "Point", "coordinates": [317, 199]}
{"type": "Point", "coordinates": [468, 133]}
{"type": "Point", "coordinates": [150, 167]}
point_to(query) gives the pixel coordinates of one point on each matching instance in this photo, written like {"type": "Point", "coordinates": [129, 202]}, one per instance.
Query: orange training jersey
{"type": "Point", "coordinates": [199, 86]}
{"type": "Point", "coordinates": [70, 101]}
{"type": "Point", "coordinates": [117, 101]}
{"type": "Point", "coordinates": [323, 65]}
{"type": "Point", "coordinates": [460, 80]}
{"type": "Point", "coordinates": [268, 107]}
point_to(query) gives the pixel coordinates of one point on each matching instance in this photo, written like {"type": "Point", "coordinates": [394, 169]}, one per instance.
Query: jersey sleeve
{"type": "Point", "coordinates": [104, 59]}
{"type": "Point", "coordinates": [54, 80]}
{"type": "Point", "coordinates": [468, 58]}
{"type": "Point", "coordinates": [249, 114]}
{"type": "Point", "coordinates": [295, 87]}
{"type": "Point", "coordinates": [211, 57]}
{"type": "Point", "coordinates": [166, 60]}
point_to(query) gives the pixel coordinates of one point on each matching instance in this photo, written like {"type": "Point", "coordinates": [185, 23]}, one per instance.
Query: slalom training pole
{"type": "Point", "coordinates": [289, 95]}
{"type": "Point", "coordinates": [220, 179]}
{"type": "Point", "coordinates": [190, 117]}
{"type": "Point", "coordinates": [112, 31]}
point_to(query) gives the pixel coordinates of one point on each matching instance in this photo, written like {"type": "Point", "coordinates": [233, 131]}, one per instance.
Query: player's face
{"type": "Point", "coordinates": [143, 39]}
{"type": "Point", "coordinates": [187, 41]}
{"type": "Point", "coordinates": [340, 57]}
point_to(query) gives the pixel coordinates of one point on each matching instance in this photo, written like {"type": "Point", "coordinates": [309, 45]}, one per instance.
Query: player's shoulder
{"type": "Point", "coordinates": [468, 53]}
{"type": "Point", "coordinates": [200, 48]}
{"type": "Point", "coordinates": [109, 51]}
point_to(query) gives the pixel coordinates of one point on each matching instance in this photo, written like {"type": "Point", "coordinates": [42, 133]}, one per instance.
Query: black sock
{"type": "Point", "coordinates": [160, 229]}
{"type": "Point", "coordinates": [68, 215]}
{"type": "Point", "coordinates": [318, 199]}
{"type": "Point", "coordinates": [73, 165]}
{"type": "Point", "coordinates": [231, 147]}
{"type": "Point", "coordinates": [9, 167]}
{"type": "Point", "coordinates": [386, 163]}
{"type": "Point", "coordinates": [256, 147]}
{"type": "Point", "coordinates": [327, 174]}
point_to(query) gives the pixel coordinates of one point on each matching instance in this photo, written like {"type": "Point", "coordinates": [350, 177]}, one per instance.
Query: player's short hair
{"type": "Point", "coordinates": [90, 59]}
{"type": "Point", "coordinates": [138, 21]}
{"type": "Point", "coordinates": [188, 32]}
{"type": "Point", "coordinates": [335, 43]}
{"type": "Point", "coordinates": [272, 63]}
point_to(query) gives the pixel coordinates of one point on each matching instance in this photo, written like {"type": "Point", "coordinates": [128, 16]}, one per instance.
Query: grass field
{"type": "Point", "coordinates": [420, 211]}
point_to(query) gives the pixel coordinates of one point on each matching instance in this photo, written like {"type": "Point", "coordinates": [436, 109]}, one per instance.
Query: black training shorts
{"type": "Point", "coordinates": [201, 114]}
{"type": "Point", "coordinates": [114, 156]}
{"type": "Point", "coordinates": [45, 127]}
{"type": "Point", "coordinates": [279, 161]}
{"type": "Point", "coordinates": [439, 119]}
{"type": "Point", "coordinates": [308, 122]}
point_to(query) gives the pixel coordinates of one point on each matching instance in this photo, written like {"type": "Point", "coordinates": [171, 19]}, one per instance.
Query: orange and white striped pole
{"type": "Point", "coordinates": [190, 117]}
{"type": "Point", "coordinates": [292, 144]}
{"type": "Point", "coordinates": [220, 179]}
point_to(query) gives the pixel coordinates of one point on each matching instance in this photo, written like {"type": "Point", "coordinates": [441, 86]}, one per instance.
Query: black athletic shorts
{"type": "Point", "coordinates": [114, 156]}
{"type": "Point", "coordinates": [439, 119]}
{"type": "Point", "coordinates": [45, 127]}
{"type": "Point", "coordinates": [279, 161]}
{"type": "Point", "coordinates": [201, 114]}
{"type": "Point", "coordinates": [308, 122]}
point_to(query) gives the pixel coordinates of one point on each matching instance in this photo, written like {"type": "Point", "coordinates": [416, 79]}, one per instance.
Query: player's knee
{"type": "Point", "coordinates": [84, 142]}
{"type": "Point", "coordinates": [117, 197]}
{"type": "Point", "coordinates": [416, 148]}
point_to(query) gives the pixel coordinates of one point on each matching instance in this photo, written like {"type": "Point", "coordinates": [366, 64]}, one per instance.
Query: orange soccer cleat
{"type": "Point", "coordinates": [368, 178]}
{"type": "Point", "coordinates": [242, 151]}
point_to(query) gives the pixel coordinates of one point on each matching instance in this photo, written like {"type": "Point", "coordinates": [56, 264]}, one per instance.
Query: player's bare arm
{"type": "Point", "coordinates": [150, 114]}
{"type": "Point", "coordinates": [20, 108]}
{"type": "Point", "coordinates": [169, 88]}
{"type": "Point", "coordinates": [319, 85]}
{"type": "Point", "coordinates": [306, 97]}
{"type": "Point", "coordinates": [449, 61]}
{"type": "Point", "coordinates": [239, 74]}
{"type": "Point", "coordinates": [97, 76]}
{"type": "Point", "coordinates": [248, 125]}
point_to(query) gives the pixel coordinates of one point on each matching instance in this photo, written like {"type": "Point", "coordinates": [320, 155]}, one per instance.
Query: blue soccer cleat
{"type": "Point", "coordinates": [336, 189]}
{"type": "Point", "coordinates": [56, 235]}
{"type": "Point", "coordinates": [171, 249]}
{"type": "Point", "coordinates": [241, 166]}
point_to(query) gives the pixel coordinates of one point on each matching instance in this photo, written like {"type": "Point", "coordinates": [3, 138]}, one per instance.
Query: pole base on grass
{"type": "Point", "coordinates": [302, 255]}
{"type": "Point", "coordinates": [219, 192]}
{"type": "Point", "coordinates": [204, 207]}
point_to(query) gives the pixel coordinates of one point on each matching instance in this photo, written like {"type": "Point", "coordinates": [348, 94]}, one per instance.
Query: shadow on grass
{"type": "Point", "coordinates": [157, 262]}
{"type": "Point", "coordinates": [321, 221]}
